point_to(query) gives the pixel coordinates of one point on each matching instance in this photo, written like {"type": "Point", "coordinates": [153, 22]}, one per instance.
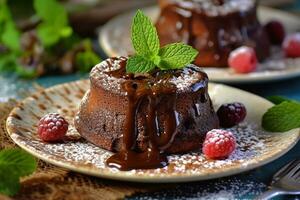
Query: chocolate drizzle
{"type": "Point", "coordinates": [155, 96]}
{"type": "Point", "coordinates": [152, 93]}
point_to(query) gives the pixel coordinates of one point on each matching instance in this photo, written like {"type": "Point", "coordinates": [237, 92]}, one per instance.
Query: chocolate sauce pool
{"type": "Point", "coordinates": [151, 90]}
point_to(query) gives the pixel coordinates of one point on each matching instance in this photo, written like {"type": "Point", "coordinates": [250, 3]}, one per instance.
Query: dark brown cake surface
{"type": "Point", "coordinates": [214, 27]}
{"type": "Point", "coordinates": [142, 115]}
{"type": "Point", "coordinates": [102, 113]}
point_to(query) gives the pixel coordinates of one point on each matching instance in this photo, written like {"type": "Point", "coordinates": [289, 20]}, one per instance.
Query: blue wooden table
{"type": "Point", "coordinates": [243, 186]}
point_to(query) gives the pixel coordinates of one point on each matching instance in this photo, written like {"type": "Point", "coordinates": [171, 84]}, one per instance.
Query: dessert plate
{"type": "Point", "coordinates": [114, 38]}
{"type": "Point", "coordinates": [254, 146]}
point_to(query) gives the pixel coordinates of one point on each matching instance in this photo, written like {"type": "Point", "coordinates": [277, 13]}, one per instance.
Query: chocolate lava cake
{"type": "Point", "coordinates": [213, 27]}
{"type": "Point", "coordinates": [169, 110]}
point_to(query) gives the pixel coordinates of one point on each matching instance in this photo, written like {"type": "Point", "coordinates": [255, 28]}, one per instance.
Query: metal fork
{"type": "Point", "coordinates": [285, 181]}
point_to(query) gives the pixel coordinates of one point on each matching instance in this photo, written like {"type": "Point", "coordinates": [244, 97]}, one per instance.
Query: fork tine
{"type": "Point", "coordinates": [284, 170]}
{"type": "Point", "coordinates": [294, 170]}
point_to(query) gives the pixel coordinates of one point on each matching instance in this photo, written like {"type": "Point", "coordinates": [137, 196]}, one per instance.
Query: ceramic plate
{"type": "Point", "coordinates": [255, 147]}
{"type": "Point", "coordinates": [114, 38]}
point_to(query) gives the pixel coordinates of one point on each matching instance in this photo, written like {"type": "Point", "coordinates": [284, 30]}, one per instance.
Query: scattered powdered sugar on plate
{"type": "Point", "coordinates": [250, 144]}
{"type": "Point", "coordinates": [254, 146]}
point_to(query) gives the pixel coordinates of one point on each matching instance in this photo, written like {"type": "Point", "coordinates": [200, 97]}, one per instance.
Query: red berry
{"type": "Point", "coordinates": [218, 144]}
{"type": "Point", "coordinates": [291, 45]}
{"type": "Point", "coordinates": [243, 60]}
{"type": "Point", "coordinates": [275, 31]}
{"type": "Point", "coordinates": [231, 114]}
{"type": "Point", "coordinates": [52, 127]}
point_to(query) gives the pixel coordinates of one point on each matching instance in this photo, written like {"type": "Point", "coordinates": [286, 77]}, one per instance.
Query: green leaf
{"type": "Point", "coordinates": [176, 56]}
{"type": "Point", "coordinates": [9, 184]}
{"type": "Point", "coordinates": [51, 11]}
{"type": "Point", "coordinates": [66, 31]}
{"type": "Point", "coordinates": [138, 64]}
{"type": "Point", "coordinates": [86, 60]}
{"type": "Point", "coordinates": [282, 117]}
{"type": "Point", "coordinates": [48, 34]}
{"type": "Point", "coordinates": [25, 73]}
{"type": "Point", "coordinates": [17, 161]}
{"type": "Point", "coordinates": [11, 37]}
{"type": "Point", "coordinates": [54, 24]}
{"type": "Point", "coordinates": [278, 99]}
{"type": "Point", "coordinates": [14, 163]}
{"type": "Point", "coordinates": [144, 36]}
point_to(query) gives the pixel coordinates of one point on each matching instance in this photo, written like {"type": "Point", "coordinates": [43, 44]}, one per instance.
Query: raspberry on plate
{"type": "Point", "coordinates": [52, 127]}
{"type": "Point", "coordinates": [218, 144]}
{"type": "Point", "coordinates": [231, 114]}
{"type": "Point", "coordinates": [275, 31]}
{"type": "Point", "coordinates": [291, 45]}
{"type": "Point", "coordinates": [243, 60]}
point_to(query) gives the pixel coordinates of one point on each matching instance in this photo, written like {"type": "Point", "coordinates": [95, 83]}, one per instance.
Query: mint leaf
{"type": "Point", "coordinates": [176, 56]}
{"type": "Point", "coordinates": [14, 163]}
{"type": "Point", "coordinates": [86, 60]}
{"type": "Point", "coordinates": [148, 53]}
{"type": "Point", "coordinates": [54, 24]}
{"type": "Point", "coordinates": [282, 117]}
{"type": "Point", "coordinates": [48, 34]}
{"type": "Point", "coordinates": [278, 99]}
{"type": "Point", "coordinates": [9, 184]}
{"type": "Point", "coordinates": [138, 64]}
{"type": "Point", "coordinates": [144, 36]}
{"type": "Point", "coordinates": [11, 36]}
{"type": "Point", "coordinates": [17, 161]}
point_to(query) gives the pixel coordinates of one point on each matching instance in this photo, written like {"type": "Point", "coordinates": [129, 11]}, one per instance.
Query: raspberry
{"type": "Point", "coordinates": [275, 31]}
{"type": "Point", "coordinates": [291, 45]}
{"type": "Point", "coordinates": [218, 144]}
{"type": "Point", "coordinates": [243, 60]}
{"type": "Point", "coordinates": [231, 114]}
{"type": "Point", "coordinates": [52, 127]}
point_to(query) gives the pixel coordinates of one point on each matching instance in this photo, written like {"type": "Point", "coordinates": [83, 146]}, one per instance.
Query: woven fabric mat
{"type": "Point", "coordinates": [54, 183]}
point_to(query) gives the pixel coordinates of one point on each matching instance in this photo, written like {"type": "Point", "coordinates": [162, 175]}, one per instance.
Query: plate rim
{"type": "Point", "coordinates": [120, 176]}
{"type": "Point", "coordinates": [243, 79]}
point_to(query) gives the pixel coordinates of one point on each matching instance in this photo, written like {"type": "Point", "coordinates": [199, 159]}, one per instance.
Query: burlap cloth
{"type": "Point", "coordinates": [54, 183]}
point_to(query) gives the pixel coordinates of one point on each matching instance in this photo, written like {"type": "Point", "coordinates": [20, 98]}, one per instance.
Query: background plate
{"type": "Point", "coordinates": [255, 147]}
{"type": "Point", "coordinates": [114, 38]}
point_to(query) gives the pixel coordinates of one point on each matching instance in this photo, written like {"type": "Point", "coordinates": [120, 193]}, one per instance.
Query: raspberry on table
{"type": "Point", "coordinates": [291, 45]}
{"type": "Point", "coordinates": [231, 114]}
{"type": "Point", "coordinates": [243, 60]}
{"type": "Point", "coordinates": [218, 144]}
{"type": "Point", "coordinates": [52, 127]}
{"type": "Point", "coordinates": [275, 31]}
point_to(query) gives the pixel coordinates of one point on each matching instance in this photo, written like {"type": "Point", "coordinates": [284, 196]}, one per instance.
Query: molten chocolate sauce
{"type": "Point", "coordinates": [214, 31]}
{"type": "Point", "coordinates": [150, 90]}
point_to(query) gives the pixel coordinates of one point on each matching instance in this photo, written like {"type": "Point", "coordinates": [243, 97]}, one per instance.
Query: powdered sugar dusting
{"type": "Point", "coordinates": [250, 144]}
{"type": "Point", "coordinates": [254, 146]}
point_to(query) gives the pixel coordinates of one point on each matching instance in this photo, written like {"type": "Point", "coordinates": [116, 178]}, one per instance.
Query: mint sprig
{"type": "Point", "coordinates": [149, 55]}
{"type": "Point", "coordinates": [283, 117]}
{"type": "Point", "coordinates": [14, 163]}
{"type": "Point", "coordinates": [54, 24]}
{"type": "Point", "coordinates": [144, 36]}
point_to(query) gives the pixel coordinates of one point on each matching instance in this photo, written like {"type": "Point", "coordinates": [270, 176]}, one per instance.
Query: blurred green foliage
{"type": "Point", "coordinates": [53, 31]}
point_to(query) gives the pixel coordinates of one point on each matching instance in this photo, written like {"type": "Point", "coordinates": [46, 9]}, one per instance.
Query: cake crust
{"type": "Point", "coordinates": [102, 113]}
